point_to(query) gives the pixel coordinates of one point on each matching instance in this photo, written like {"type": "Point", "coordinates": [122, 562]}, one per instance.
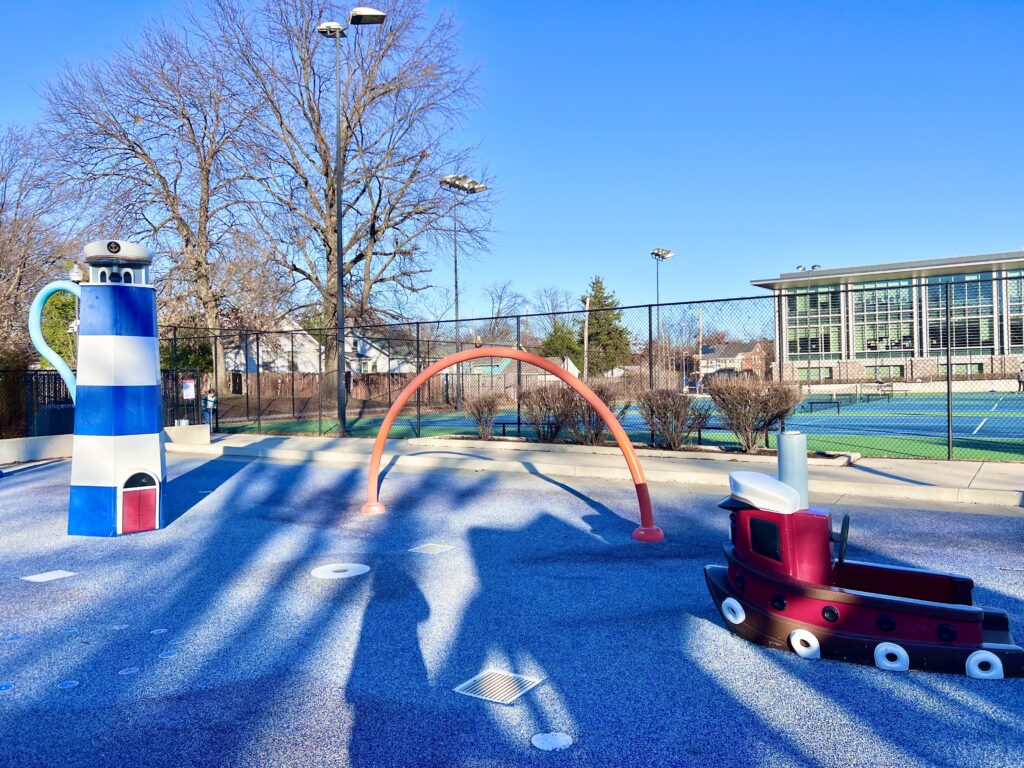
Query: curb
{"type": "Point", "coordinates": [840, 460]}
{"type": "Point", "coordinates": [655, 474]}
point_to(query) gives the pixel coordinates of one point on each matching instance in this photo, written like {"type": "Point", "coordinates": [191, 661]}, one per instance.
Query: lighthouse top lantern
{"type": "Point", "coordinates": [118, 261]}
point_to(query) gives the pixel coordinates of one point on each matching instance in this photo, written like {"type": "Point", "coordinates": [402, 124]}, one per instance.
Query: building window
{"type": "Point", "coordinates": [883, 319]}
{"type": "Point", "coordinates": [972, 307]}
{"type": "Point", "coordinates": [814, 322]}
{"type": "Point", "coordinates": [886, 372]}
{"type": "Point", "coordinates": [820, 373]}
{"type": "Point", "coordinates": [968, 369]}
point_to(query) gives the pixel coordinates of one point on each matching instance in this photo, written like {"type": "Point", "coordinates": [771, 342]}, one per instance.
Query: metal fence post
{"type": "Point", "coordinates": [419, 367]}
{"type": "Point", "coordinates": [174, 367]}
{"type": "Point", "coordinates": [650, 352]}
{"type": "Point", "coordinates": [259, 401]}
{"type": "Point", "coordinates": [291, 338]}
{"type": "Point", "coordinates": [320, 389]}
{"type": "Point", "coordinates": [216, 386]}
{"type": "Point", "coordinates": [519, 378]}
{"type": "Point", "coordinates": [949, 371]}
{"type": "Point", "coordinates": [245, 367]}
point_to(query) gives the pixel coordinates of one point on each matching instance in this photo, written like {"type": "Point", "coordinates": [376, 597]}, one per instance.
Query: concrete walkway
{"type": "Point", "coordinates": [970, 482]}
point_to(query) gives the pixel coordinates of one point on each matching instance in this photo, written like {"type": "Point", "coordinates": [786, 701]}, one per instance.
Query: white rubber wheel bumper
{"type": "Point", "coordinates": [891, 657]}
{"type": "Point", "coordinates": [804, 644]}
{"type": "Point", "coordinates": [984, 665]}
{"type": "Point", "coordinates": [733, 611]}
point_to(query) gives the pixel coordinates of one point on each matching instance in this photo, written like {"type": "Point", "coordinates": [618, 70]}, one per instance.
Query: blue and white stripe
{"type": "Point", "coordinates": [118, 410]}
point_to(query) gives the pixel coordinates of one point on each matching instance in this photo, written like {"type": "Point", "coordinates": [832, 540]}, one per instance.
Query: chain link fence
{"type": "Point", "coordinates": [927, 368]}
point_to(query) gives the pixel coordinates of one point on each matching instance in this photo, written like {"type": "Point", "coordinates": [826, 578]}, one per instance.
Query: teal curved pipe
{"type": "Point", "coordinates": [35, 329]}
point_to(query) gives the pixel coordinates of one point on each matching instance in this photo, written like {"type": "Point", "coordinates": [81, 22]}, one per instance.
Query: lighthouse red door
{"type": "Point", "coordinates": [138, 504]}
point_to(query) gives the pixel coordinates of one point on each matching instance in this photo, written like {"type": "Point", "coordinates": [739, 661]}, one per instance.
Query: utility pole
{"type": "Point", "coordinates": [586, 338]}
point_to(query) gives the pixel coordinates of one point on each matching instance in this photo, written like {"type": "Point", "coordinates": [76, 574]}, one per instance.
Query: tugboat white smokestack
{"type": "Point", "coordinates": [793, 463]}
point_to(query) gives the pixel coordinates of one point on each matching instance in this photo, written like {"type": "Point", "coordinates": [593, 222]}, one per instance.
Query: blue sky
{"type": "Point", "coordinates": [748, 137]}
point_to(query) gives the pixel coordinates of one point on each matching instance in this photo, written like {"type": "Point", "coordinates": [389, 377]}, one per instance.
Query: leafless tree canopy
{"type": "Point", "coordinates": [403, 95]}
{"type": "Point", "coordinates": [37, 235]}
{"type": "Point", "coordinates": [213, 140]}
{"type": "Point", "coordinates": [752, 407]}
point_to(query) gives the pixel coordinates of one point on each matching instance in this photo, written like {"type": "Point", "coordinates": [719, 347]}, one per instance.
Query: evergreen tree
{"type": "Point", "coordinates": [562, 341]}
{"type": "Point", "coordinates": [608, 338]}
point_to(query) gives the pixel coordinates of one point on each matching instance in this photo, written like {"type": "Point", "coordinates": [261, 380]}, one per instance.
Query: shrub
{"type": "Point", "coordinates": [547, 409]}
{"type": "Point", "coordinates": [751, 407]}
{"type": "Point", "coordinates": [483, 409]}
{"type": "Point", "coordinates": [673, 415]}
{"type": "Point", "coordinates": [584, 421]}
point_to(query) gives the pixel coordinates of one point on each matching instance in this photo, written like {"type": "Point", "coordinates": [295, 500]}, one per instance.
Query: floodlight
{"type": "Point", "coordinates": [75, 274]}
{"type": "Point", "coordinates": [331, 29]}
{"type": "Point", "coordinates": [662, 254]}
{"type": "Point", "coordinates": [364, 15]}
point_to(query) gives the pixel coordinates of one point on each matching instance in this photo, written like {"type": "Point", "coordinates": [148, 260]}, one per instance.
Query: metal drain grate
{"type": "Point", "coordinates": [497, 686]}
{"type": "Point", "coordinates": [432, 549]}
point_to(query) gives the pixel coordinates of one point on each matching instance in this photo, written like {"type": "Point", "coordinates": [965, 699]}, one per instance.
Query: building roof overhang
{"type": "Point", "coordinates": [895, 270]}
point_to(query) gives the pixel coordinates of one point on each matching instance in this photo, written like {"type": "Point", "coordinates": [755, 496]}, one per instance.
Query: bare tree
{"type": "Point", "coordinates": [147, 136]}
{"type": "Point", "coordinates": [37, 236]}
{"type": "Point", "coordinates": [551, 301]}
{"type": "Point", "coordinates": [404, 94]}
{"type": "Point", "coordinates": [505, 303]}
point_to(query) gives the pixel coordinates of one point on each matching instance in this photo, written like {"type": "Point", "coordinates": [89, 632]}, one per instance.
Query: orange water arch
{"type": "Point", "coordinates": [647, 530]}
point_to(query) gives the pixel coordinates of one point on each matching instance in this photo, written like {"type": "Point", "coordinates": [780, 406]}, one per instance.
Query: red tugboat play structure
{"type": "Point", "coordinates": [783, 588]}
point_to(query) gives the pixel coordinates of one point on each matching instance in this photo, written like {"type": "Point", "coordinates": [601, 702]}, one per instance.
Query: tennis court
{"type": "Point", "coordinates": [986, 425]}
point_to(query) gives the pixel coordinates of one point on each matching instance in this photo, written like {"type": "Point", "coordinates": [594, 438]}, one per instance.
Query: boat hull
{"type": "Point", "coordinates": [761, 625]}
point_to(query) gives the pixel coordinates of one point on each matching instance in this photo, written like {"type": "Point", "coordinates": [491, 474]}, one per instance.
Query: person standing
{"type": "Point", "coordinates": [209, 407]}
{"type": "Point", "coordinates": [1020, 380]}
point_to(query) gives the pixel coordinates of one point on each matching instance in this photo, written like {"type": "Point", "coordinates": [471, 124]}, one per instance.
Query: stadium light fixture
{"type": "Point", "coordinates": [332, 29]}
{"type": "Point", "coordinates": [362, 16]}
{"type": "Point", "coordinates": [459, 182]}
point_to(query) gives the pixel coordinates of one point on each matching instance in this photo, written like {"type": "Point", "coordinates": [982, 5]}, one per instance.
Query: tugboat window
{"type": "Point", "coordinates": [127, 276]}
{"type": "Point", "coordinates": [764, 538]}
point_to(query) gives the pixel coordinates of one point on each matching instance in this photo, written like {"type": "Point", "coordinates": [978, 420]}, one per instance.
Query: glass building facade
{"type": "Point", "coordinates": [889, 322]}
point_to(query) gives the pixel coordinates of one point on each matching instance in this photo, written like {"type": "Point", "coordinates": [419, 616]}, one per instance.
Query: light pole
{"type": "Point", "coordinates": [75, 275]}
{"type": "Point", "coordinates": [659, 255]}
{"type": "Point", "coordinates": [332, 29]}
{"type": "Point", "coordinates": [467, 186]}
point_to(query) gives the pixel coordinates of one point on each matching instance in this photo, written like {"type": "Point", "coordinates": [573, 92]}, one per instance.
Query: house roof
{"type": "Point", "coordinates": [731, 348]}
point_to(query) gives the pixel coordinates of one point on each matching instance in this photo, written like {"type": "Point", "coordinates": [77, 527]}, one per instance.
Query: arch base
{"type": "Point", "coordinates": [372, 508]}
{"type": "Point", "coordinates": [650, 535]}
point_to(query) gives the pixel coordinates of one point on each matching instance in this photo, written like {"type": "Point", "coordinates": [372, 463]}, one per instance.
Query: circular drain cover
{"type": "Point", "coordinates": [5, 687]}
{"type": "Point", "coordinates": [552, 742]}
{"type": "Point", "coordinates": [68, 684]}
{"type": "Point", "coordinates": [168, 654]}
{"type": "Point", "coordinates": [128, 671]}
{"type": "Point", "coordinates": [339, 571]}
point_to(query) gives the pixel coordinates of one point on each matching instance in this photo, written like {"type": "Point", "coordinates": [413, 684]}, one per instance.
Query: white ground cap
{"type": "Point", "coordinates": [339, 571]}
{"type": "Point", "coordinates": [552, 742]}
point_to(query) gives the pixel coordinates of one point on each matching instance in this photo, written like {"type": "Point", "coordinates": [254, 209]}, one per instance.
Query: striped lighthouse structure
{"type": "Point", "coordinates": [118, 467]}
